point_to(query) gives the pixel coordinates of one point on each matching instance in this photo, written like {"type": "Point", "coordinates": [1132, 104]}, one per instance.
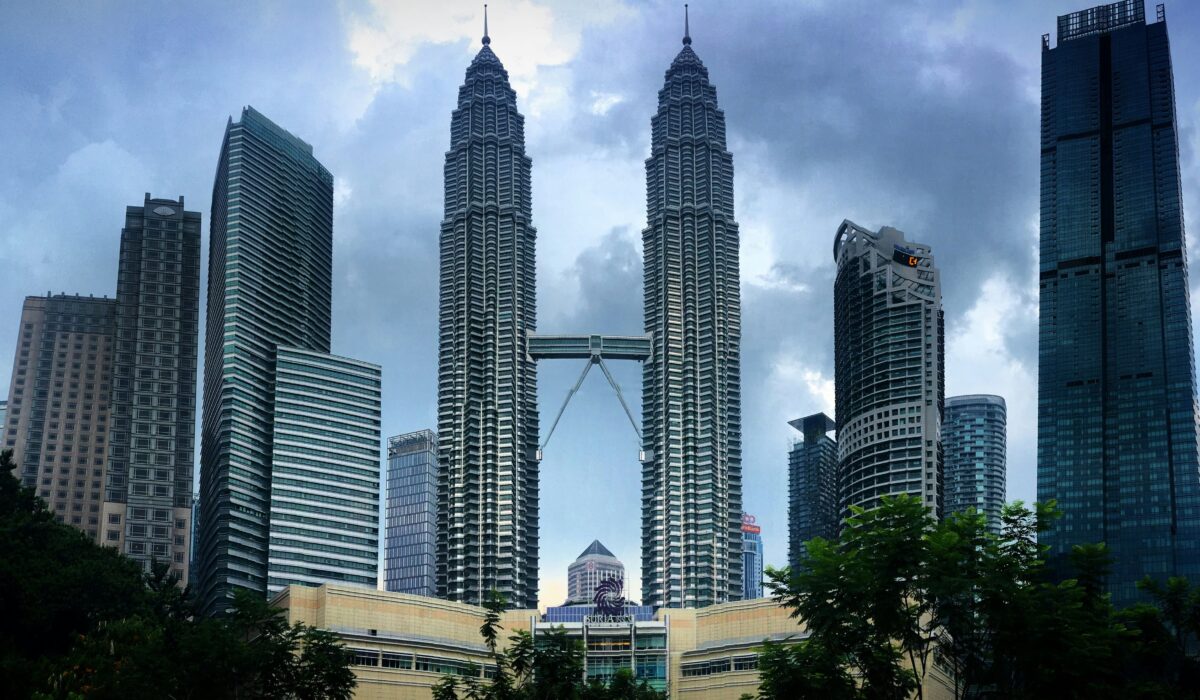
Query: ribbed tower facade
{"type": "Point", "coordinates": [1117, 413]}
{"type": "Point", "coordinates": [691, 384]}
{"type": "Point", "coordinates": [487, 385]}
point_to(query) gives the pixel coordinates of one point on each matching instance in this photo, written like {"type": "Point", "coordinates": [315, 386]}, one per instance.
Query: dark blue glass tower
{"type": "Point", "coordinates": [812, 485]}
{"type": "Point", "coordinates": [410, 557]}
{"type": "Point", "coordinates": [1117, 429]}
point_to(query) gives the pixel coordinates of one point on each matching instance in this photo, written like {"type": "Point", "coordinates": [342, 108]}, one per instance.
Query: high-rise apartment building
{"type": "Point", "coordinates": [691, 384]}
{"type": "Point", "coordinates": [975, 448]}
{"type": "Point", "coordinates": [1117, 415]}
{"type": "Point", "coordinates": [752, 558]}
{"type": "Point", "coordinates": [889, 358]}
{"type": "Point", "coordinates": [324, 524]}
{"type": "Point", "coordinates": [812, 485]}
{"type": "Point", "coordinates": [59, 410]}
{"type": "Point", "coordinates": [487, 384]}
{"type": "Point", "coordinates": [594, 565]}
{"type": "Point", "coordinates": [152, 433]}
{"type": "Point", "coordinates": [410, 534]}
{"type": "Point", "coordinates": [269, 285]}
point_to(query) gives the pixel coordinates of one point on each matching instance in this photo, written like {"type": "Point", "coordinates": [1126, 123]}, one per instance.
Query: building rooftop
{"type": "Point", "coordinates": [596, 548]}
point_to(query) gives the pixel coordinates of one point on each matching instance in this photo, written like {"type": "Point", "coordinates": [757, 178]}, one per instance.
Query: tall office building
{"type": "Point", "coordinates": [889, 358]}
{"type": "Point", "coordinates": [152, 434]}
{"type": "Point", "coordinates": [410, 535]}
{"type": "Point", "coordinates": [269, 284]}
{"type": "Point", "coordinates": [594, 565]}
{"type": "Point", "coordinates": [752, 558]}
{"type": "Point", "coordinates": [487, 384]}
{"type": "Point", "coordinates": [59, 404]}
{"type": "Point", "coordinates": [812, 485]}
{"type": "Point", "coordinates": [1117, 416]}
{"type": "Point", "coordinates": [324, 524]}
{"type": "Point", "coordinates": [691, 384]}
{"type": "Point", "coordinates": [975, 448]}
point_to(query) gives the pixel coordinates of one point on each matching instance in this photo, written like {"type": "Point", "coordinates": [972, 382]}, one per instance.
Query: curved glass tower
{"type": "Point", "coordinates": [487, 384]}
{"type": "Point", "coordinates": [888, 358]}
{"type": "Point", "coordinates": [691, 384]}
{"type": "Point", "coordinates": [974, 439]}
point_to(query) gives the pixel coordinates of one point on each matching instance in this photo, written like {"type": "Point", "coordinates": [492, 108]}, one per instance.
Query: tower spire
{"type": "Point", "coordinates": [486, 39]}
{"type": "Point", "coordinates": [687, 33]}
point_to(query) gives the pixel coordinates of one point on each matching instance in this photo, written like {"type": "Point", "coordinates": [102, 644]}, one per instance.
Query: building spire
{"type": "Point", "coordinates": [687, 33]}
{"type": "Point", "coordinates": [486, 39]}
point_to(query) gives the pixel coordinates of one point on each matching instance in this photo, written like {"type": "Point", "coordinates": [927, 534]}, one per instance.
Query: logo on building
{"type": "Point", "coordinates": [748, 524]}
{"type": "Point", "coordinates": [609, 598]}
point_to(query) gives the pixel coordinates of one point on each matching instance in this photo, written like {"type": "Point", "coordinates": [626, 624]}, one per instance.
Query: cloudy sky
{"type": "Point", "coordinates": [920, 114]}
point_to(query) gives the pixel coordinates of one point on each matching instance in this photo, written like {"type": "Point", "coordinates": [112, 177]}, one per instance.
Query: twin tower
{"type": "Point", "coordinates": [691, 353]}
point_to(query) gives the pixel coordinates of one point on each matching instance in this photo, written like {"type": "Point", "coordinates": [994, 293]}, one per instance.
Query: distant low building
{"type": "Point", "coordinates": [593, 565]}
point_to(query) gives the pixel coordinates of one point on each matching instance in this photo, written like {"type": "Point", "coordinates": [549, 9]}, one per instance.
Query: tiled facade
{"type": "Point", "coordinates": [59, 404]}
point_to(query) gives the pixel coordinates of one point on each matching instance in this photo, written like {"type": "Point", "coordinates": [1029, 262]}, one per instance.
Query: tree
{"type": "Point", "coordinates": [85, 621]}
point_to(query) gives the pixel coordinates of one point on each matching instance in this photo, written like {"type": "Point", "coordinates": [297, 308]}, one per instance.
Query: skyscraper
{"type": "Point", "coordinates": [975, 448]}
{"type": "Point", "coordinates": [691, 384]}
{"type": "Point", "coordinates": [888, 356]}
{"type": "Point", "coordinates": [152, 434]}
{"type": "Point", "coordinates": [269, 284]}
{"type": "Point", "coordinates": [593, 565]}
{"type": "Point", "coordinates": [812, 485]}
{"type": "Point", "coordinates": [59, 405]}
{"type": "Point", "coordinates": [410, 544]}
{"type": "Point", "coordinates": [487, 384]}
{"type": "Point", "coordinates": [324, 523]}
{"type": "Point", "coordinates": [1117, 416]}
{"type": "Point", "coordinates": [752, 558]}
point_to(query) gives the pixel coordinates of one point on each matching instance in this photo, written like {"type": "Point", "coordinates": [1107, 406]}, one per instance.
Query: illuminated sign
{"type": "Point", "coordinates": [748, 524]}
{"type": "Point", "coordinates": [905, 257]}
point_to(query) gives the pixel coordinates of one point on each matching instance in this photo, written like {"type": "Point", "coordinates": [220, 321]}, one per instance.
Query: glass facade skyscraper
{"type": "Point", "coordinates": [324, 524]}
{"type": "Point", "coordinates": [410, 535]}
{"type": "Point", "coordinates": [974, 441]}
{"type": "Point", "coordinates": [812, 485]}
{"type": "Point", "coordinates": [752, 559]}
{"type": "Point", "coordinates": [889, 358]}
{"type": "Point", "coordinates": [1117, 416]}
{"type": "Point", "coordinates": [269, 284]}
{"type": "Point", "coordinates": [691, 383]}
{"type": "Point", "coordinates": [151, 446]}
{"type": "Point", "coordinates": [487, 383]}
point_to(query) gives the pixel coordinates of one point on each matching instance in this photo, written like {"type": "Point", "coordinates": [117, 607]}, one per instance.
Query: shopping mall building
{"type": "Point", "coordinates": [402, 644]}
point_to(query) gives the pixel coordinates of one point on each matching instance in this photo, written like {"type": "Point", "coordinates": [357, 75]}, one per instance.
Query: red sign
{"type": "Point", "coordinates": [752, 529]}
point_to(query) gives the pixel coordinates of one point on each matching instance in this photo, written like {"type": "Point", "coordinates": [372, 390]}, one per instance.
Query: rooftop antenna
{"type": "Point", "coordinates": [687, 33]}
{"type": "Point", "coordinates": [486, 39]}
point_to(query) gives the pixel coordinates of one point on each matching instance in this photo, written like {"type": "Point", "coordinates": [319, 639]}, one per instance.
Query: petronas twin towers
{"type": "Point", "coordinates": [487, 380]}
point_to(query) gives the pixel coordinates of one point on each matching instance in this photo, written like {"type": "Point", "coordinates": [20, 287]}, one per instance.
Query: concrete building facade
{"type": "Point", "coordinates": [889, 351]}
{"type": "Point", "coordinates": [59, 405]}
{"type": "Point", "coordinates": [152, 433]}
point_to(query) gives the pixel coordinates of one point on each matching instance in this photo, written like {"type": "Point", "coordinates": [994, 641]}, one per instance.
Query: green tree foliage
{"type": "Point", "coordinates": [83, 621]}
{"type": "Point", "coordinates": [898, 592]}
{"type": "Point", "coordinates": [550, 668]}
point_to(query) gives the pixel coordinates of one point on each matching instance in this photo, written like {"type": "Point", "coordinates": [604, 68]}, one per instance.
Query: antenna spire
{"type": "Point", "coordinates": [486, 39]}
{"type": "Point", "coordinates": [687, 33]}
